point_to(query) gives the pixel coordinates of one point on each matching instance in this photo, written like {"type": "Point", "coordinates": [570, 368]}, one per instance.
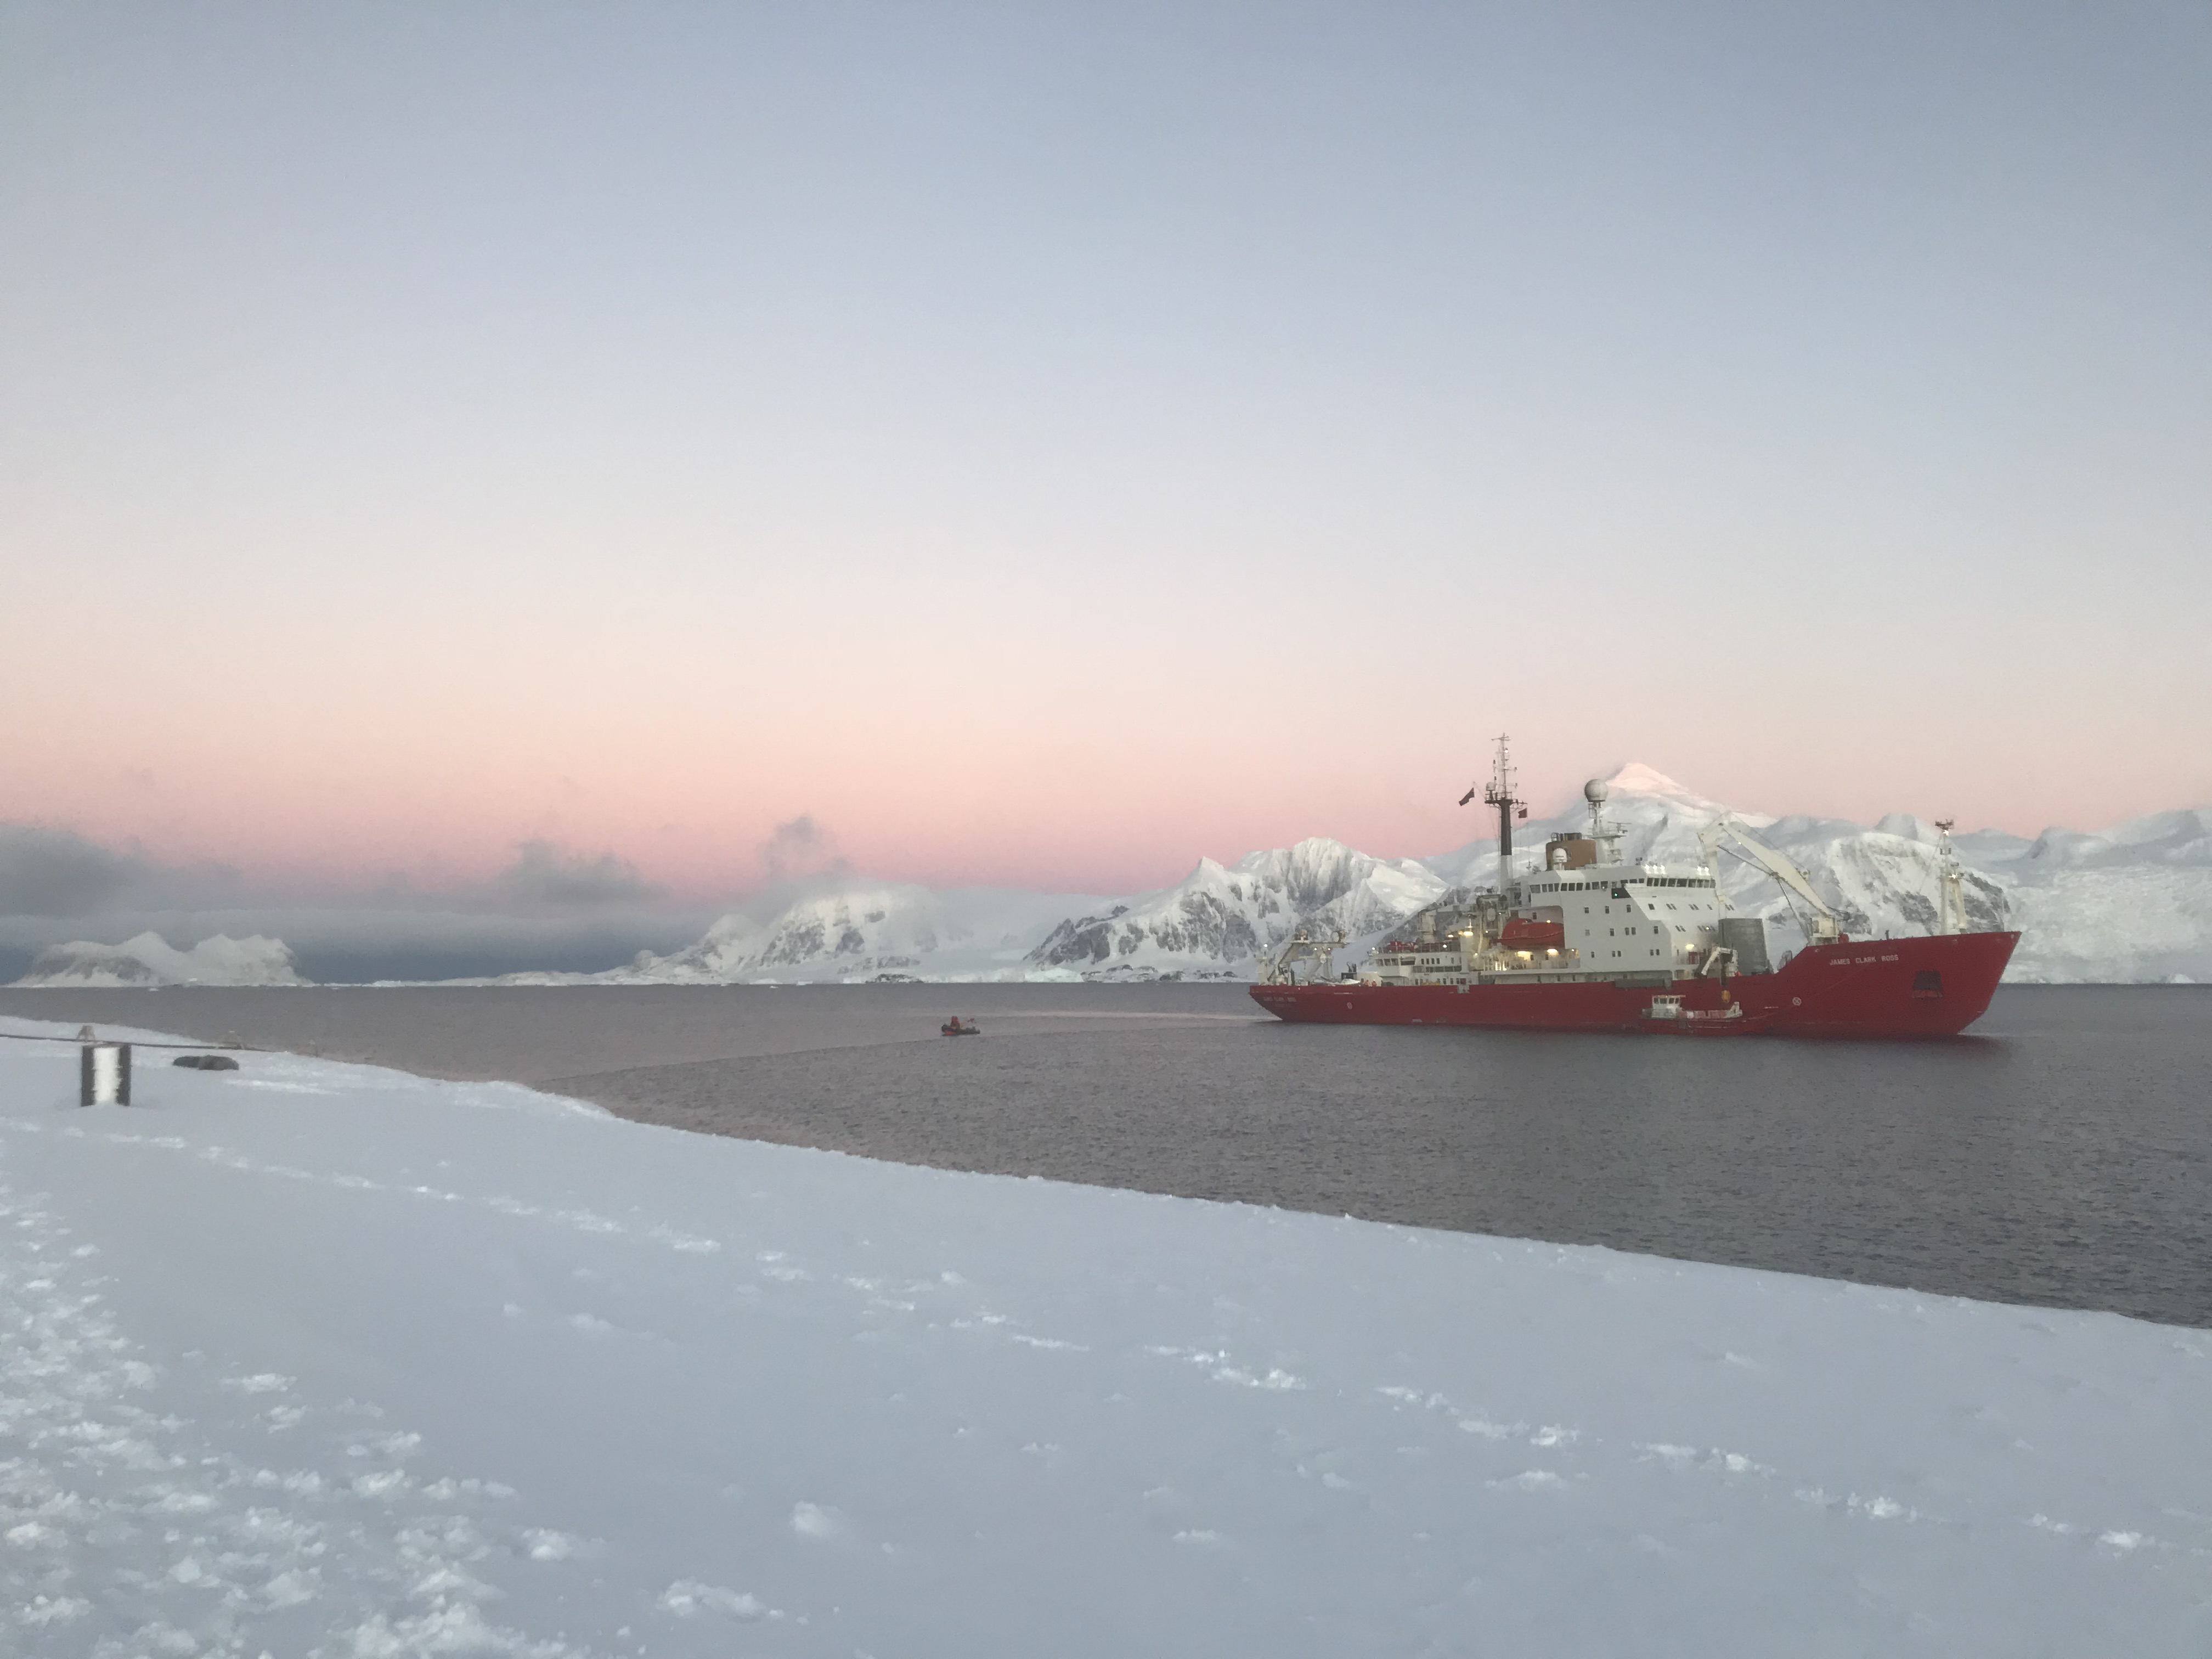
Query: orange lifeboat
{"type": "Point", "coordinates": [1522, 935]}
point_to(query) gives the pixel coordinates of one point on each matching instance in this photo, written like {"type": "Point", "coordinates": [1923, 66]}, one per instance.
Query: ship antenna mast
{"type": "Point", "coordinates": [1950, 883]}
{"type": "Point", "coordinates": [1498, 794]}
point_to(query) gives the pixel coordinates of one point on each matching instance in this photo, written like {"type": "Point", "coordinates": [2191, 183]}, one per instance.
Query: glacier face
{"type": "Point", "coordinates": [2131, 903]}
{"type": "Point", "coordinates": [150, 960]}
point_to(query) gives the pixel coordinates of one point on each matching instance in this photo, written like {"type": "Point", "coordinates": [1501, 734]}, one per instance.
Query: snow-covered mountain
{"type": "Point", "coordinates": [2130, 903]}
{"type": "Point", "coordinates": [150, 960]}
{"type": "Point", "coordinates": [1661, 816]}
{"type": "Point", "coordinates": [1878, 880]}
{"type": "Point", "coordinates": [1220, 920]}
{"type": "Point", "coordinates": [868, 934]}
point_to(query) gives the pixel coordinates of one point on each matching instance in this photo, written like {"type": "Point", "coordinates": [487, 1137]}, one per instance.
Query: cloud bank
{"type": "Point", "coordinates": [544, 875]}
{"type": "Point", "coordinates": [800, 850]}
{"type": "Point", "coordinates": [58, 872]}
{"type": "Point", "coordinates": [552, 908]}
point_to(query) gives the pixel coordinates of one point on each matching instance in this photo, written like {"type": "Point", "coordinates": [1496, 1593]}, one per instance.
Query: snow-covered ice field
{"type": "Point", "coordinates": [314, 1358]}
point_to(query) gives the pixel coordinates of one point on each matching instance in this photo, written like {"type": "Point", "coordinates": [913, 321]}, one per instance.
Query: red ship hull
{"type": "Point", "coordinates": [1888, 987]}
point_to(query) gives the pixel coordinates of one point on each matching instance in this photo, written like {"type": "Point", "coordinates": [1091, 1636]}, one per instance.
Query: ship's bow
{"type": "Point", "coordinates": [1935, 986]}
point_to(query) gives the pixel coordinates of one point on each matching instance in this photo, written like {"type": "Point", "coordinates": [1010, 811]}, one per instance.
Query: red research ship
{"type": "Point", "coordinates": [1590, 942]}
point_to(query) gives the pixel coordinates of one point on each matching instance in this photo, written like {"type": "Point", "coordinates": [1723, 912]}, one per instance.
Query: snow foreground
{"type": "Point", "coordinates": [312, 1358]}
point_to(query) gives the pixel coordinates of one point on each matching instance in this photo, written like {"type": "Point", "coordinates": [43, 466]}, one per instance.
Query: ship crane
{"type": "Point", "coordinates": [1818, 921]}
{"type": "Point", "coordinates": [1307, 946]}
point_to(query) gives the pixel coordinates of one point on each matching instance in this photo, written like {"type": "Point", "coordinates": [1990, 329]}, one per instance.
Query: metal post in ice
{"type": "Point", "coordinates": [104, 1074]}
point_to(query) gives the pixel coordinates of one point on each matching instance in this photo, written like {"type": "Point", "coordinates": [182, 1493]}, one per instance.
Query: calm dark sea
{"type": "Point", "coordinates": [2061, 1152]}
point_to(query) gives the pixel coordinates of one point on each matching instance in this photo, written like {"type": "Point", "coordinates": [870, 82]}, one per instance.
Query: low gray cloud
{"type": "Point", "coordinates": [58, 872]}
{"type": "Point", "coordinates": [547, 876]}
{"type": "Point", "coordinates": [340, 945]}
{"type": "Point", "coordinates": [799, 849]}
{"type": "Point", "coordinates": [551, 908]}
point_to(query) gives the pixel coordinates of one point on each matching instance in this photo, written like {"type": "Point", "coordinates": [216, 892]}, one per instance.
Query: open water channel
{"type": "Point", "coordinates": [2060, 1153]}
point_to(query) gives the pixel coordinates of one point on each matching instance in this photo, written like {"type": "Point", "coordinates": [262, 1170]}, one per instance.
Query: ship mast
{"type": "Point", "coordinates": [1950, 889]}
{"type": "Point", "coordinates": [1499, 792]}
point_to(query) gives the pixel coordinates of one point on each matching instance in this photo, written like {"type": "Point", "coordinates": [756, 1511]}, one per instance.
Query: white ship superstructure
{"type": "Point", "coordinates": [1587, 913]}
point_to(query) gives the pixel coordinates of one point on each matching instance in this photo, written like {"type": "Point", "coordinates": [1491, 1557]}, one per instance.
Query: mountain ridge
{"type": "Point", "coordinates": [2093, 906]}
{"type": "Point", "coordinates": [2131, 903]}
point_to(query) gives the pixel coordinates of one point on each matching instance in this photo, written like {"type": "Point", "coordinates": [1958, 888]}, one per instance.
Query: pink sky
{"type": "Point", "coordinates": [934, 777]}
{"type": "Point", "coordinates": [1046, 452]}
